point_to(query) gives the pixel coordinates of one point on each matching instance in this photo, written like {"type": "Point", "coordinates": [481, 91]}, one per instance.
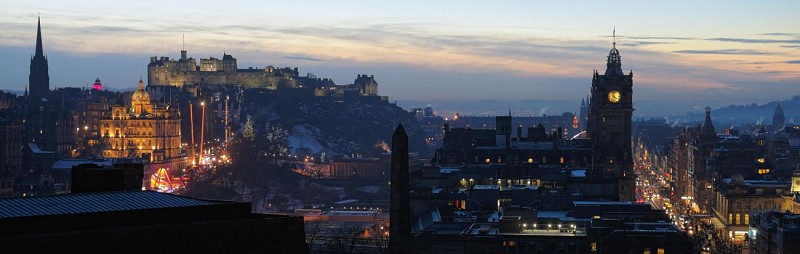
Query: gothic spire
{"type": "Point", "coordinates": [708, 125]}
{"type": "Point", "coordinates": [39, 51]}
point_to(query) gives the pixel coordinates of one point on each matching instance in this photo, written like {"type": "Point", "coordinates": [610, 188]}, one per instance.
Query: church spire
{"type": "Point", "coordinates": [38, 80]}
{"type": "Point", "coordinates": [39, 51]}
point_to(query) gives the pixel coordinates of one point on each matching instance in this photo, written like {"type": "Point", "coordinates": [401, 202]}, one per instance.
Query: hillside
{"type": "Point", "coordinates": [758, 113]}
{"type": "Point", "coordinates": [348, 126]}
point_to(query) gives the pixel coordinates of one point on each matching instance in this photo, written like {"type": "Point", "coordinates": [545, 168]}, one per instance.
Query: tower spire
{"type": "Point", "coordinates": [614, 65]}
{"type": "Point", "coordinates": [39, 51]}
{"type": "Point", "coordinates": [614, 34]}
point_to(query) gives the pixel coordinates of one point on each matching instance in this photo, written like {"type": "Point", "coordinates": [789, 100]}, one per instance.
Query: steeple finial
{"type": "Point", "coordinates": [39, 51]}
{"type": "Point", "coordinates": [614, 34]}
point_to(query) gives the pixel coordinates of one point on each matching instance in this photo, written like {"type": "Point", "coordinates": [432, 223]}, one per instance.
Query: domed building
{"type": "Point", "coordinates": [143, 131]}
{"type": "Point", "coordinates": [140, 101]}
{"type": "Point", "coordinates": [97, 86]}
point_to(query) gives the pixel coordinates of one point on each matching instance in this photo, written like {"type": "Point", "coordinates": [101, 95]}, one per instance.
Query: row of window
{"type": "Point", "coordinates": [739, 220]}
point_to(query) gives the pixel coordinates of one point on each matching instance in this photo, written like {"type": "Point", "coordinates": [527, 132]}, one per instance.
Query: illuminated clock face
{"type": "Point", "coordinates": [614, 96]}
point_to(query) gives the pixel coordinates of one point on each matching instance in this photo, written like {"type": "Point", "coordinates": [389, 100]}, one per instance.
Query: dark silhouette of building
{"type": "Point", "coordinates": [40, 114]}
{"type": "Point", "coordinates": [701, 149]}
{"type": "Point", "coordinates": [584, 115]}
{"type": "Point", "coordinates": [141, 222]}
{"type": "Point", "coordinates": [108, 213]}
{"type": "Point", "coordinates": [503, 131]}
{"type": "Point", "coordinates": [39, 80]}
{"type": "Point", "coordinates": [400, 208]}
{"type": "Point", "coordinates": [97, 178]}
{"type": "Point", "coordinates": [609, 125]}
{"type": "Point", "coordinates": [777, 233]}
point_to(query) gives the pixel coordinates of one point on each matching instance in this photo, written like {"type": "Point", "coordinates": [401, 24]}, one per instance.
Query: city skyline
{"type": "Point", "coordinates": [433, 53]}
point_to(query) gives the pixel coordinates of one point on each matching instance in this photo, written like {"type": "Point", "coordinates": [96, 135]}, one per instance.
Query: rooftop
{"type": "Point", "coordinates": [93, 203]}
{"type": "Point", "coordinates": [67, 164]}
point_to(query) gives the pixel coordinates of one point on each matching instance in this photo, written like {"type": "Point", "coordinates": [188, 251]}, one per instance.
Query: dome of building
{"type": "Point", "coordinates": [140, 94]}
{"type": "Point", "coordinates": [737, 179]}
{"type": "Point", "coordinates": [140, 101]}
{"type": "Point", "coordinates": [97, 86]}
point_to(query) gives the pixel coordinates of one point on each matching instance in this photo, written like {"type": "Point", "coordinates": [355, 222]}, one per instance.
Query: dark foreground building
{"type": "Point", "coordinates": [142, 222]}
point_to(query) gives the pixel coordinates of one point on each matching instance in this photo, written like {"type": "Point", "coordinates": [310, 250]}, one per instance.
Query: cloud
{"type": "Point", "coordinates": [646, 43]}
{"type": "Point", "coordinates": [781, 34]}
{"type": "Point", "coordinates": [647, 37]}
{"type": "Point", "coordinates": [305, 58]}
{"type": "Point", "coordinates": [758, 41]}
{"type": "Point", "coordinates": [756, 62]}
{"type": "Point", "coordinates": [726, 52]}
{"type": "Point", "coordinates": [793, 62]}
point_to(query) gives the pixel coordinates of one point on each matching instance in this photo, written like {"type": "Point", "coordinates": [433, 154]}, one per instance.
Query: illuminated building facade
{"type": "Point", "coordinates": [142, 131]}
{"type": "Point", "coordinates": [185, 71]}
{"type": "Point", "coordinates": [735, 199]}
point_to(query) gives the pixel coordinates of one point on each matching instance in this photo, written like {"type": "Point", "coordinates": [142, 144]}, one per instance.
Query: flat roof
{"type": "Point", "coordinates": [603, 203]}
{"type": "Point", "coordinates": [96, 202]}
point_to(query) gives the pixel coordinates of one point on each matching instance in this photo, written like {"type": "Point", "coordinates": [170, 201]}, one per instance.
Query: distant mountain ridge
{"type": "Point", "coordinates": [736, 115]}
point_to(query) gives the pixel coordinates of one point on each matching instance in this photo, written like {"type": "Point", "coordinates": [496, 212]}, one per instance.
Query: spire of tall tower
{"type": "Point", "coordinates": [708, 125]}
{"type": "Point", "coordinates": [39, 80]}
{"type": "Point", "coordinates": [614, 65]}
{"type": "Point", "coordinates": [39, 51]}
{"type": "Point", "coordinates": [614, 34]}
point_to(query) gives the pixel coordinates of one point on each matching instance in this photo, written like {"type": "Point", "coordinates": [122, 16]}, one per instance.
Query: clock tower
{"type": "Point", "coordinates": [609, 125]}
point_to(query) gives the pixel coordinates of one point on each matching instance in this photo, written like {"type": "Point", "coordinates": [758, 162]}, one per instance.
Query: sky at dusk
{"type": "Point", "coordinates": [475, 57]}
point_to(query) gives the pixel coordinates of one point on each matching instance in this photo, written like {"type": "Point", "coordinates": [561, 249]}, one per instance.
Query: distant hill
{"type": "Point", "coordinates": [757, 113]}
{"type": "Point", "coordinates": [337, 126]}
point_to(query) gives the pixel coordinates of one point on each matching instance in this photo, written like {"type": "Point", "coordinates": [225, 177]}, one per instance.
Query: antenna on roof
{"type": "Point", "coordinates": [184, 41]}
